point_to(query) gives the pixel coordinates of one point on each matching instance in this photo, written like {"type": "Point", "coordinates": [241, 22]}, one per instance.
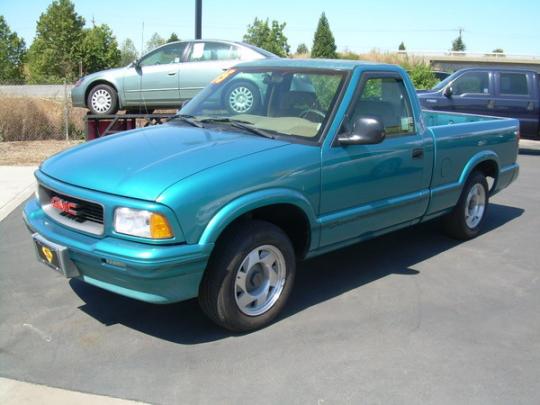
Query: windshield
{"type": "Point", "coordinates": [291, 102]}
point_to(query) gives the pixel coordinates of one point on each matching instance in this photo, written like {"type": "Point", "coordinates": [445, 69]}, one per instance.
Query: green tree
{"type": "Point", "coordinates": [421, 75]}
{"type": "Point", "coordinates": [56, 51]}
{"type": "Point", "coordinates": [154, 41]}
{"type": "Point", "coordinates": [269, 37]}
{"type": "Point", "coordinates": [401, 47]}
{"type": "Point", "coordinates": [498, 50]}
{"type": "Point", "coordinates": [99, 49]}
{"type": "Point", "coordinates": [12, 55]}
{"type": "Point", "coordinates": [302, 49]}
{"type": "Point", "coordinates": [173, 38]}
{"type": "Point", "coordinates": [324, 45]}
{"type": "Point", "coordinates": [128, 52]}
{"type": "Point", "coordinates": [458, 45]}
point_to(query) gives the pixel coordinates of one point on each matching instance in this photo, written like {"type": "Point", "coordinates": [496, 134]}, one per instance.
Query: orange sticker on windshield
{"type": "Point", "coordinates": [223, 76]}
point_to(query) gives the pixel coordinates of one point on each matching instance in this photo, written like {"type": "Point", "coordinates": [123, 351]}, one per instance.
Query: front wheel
{"type": "Point", "coordinates": [465, 220]}
{"type": "Point", "coordinates": [249, 277]}
{"type": "Point", "coordinates": [102, 100]}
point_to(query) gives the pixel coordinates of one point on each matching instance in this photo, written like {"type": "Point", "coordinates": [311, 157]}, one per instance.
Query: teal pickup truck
{"type": "Point", "coordinates": [220, 205]}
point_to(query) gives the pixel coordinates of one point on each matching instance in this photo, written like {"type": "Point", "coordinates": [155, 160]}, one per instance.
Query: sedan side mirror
{"type": "Point", "coordinates": [365, 131]}
{"type": "Point", "coordinates": [448, 91]}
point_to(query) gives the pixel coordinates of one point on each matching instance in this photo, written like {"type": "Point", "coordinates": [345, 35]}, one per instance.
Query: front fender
{"type": "Point", "coordinates": [248, 202]}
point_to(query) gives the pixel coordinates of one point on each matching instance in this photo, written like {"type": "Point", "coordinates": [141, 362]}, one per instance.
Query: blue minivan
{"type": "Point", "coordinates": [513, 93]}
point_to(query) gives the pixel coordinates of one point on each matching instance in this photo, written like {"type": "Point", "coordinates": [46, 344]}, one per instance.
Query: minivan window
{"type": "Point", "coordinates": [471, 83]}
{"type": "Point", "coordinates": [514, 84]}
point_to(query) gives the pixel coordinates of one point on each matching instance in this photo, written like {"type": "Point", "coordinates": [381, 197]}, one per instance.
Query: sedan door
{"type": "Point", "coordinates": [158, 72]}
{"type": "Point", "coordinates": [205, 60]}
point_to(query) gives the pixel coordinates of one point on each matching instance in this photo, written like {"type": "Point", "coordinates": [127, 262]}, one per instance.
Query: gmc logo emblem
{"type": "Point", "coordinates": [64, 206]}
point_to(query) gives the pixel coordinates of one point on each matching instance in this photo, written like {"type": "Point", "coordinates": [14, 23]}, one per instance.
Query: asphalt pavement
{"type": "Point", "coordinates": [406, 318]}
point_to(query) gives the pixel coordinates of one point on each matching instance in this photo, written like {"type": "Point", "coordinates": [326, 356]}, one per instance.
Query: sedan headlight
{"type": "Point", "coordinates": [145, 224]}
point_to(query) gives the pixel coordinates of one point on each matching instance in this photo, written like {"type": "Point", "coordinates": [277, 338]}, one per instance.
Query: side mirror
{"type": "Point", "coordinates": [448, 91]}
{"type": "Point", "coordinates": [365, 131]}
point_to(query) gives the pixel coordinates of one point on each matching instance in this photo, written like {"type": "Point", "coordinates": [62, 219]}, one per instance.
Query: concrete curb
{"type": "Point", "coordinates": [13, 392]}
{"type": "Point", "coordinates": [16, 185]}
{"type": "Point", "coordinates": [529, 147]}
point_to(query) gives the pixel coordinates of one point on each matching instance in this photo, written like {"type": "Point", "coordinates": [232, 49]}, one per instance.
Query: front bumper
{"type": "Point", "coordinates": [153, 273]}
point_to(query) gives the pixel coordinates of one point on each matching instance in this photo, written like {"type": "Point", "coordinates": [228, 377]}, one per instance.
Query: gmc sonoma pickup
{"type": "Point", "coordinates": [220, 205]}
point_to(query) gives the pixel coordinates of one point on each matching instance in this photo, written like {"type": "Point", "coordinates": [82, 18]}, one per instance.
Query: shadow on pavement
{"type": "Point", "coordinates": [318, 280]}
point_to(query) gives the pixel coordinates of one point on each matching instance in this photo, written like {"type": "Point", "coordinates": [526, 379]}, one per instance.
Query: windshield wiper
{"type": "Point", "coordinates": [190, 119]}
{"type": "Point", "coordinates": [245, 125]}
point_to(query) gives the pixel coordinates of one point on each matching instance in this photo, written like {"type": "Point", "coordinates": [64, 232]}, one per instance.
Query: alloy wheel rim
{"type": "Point", "coordinates": [101, 101]}
{"type": "Point", "coordinates": [241, 99]}
{"type": "Point", "coordinates": [475, 205]}
{"type": "Point", "coordinates": [259, 280]}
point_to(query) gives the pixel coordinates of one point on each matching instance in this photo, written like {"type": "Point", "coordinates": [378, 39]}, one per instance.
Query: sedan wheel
{"type": "Point", "coordinates": [102, 100]}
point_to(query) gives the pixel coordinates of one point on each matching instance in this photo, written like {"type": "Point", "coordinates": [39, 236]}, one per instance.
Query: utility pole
{"type": "Point", "coordinates": [198, 19]}
{"type": "Point", "coordinates": [142, 40]}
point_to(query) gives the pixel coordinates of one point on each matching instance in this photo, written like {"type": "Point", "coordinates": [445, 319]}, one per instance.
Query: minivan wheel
{"type": "Point", "coordinates": [249, 276]}
{"type": "Point", "coordinates": [465, 220]}
{"type": "Point", "coordinates": [242, 97]}
{"type": "Point", "coordinates": [102, 100]}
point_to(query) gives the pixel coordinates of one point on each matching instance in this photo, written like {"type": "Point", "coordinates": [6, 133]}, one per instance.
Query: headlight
{"type": "Point", "coordinates": [145, 224]}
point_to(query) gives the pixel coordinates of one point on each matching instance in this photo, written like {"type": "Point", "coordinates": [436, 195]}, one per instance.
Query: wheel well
{"type": "Point", "coordinates": [97, 83]}
{"type": "Point", "coordinates": [291, 219]}
{"type": "Point", "coordinates": [490, 169]}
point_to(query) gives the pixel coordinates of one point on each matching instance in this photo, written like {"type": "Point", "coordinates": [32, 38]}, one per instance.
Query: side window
{"type": "Point", "coordinates": [168, 54]}
{"type": "Point", "coordinates": [471, 83]}
{"type": "Point", "coordinates": [514, 84]}
{"type": "Point", "coordinates": [208, 51]}
{"type": "Point", "coordinates": [385, 99]}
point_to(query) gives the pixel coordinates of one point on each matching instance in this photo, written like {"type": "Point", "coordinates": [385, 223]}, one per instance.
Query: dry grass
{"type": "Point", "coordinates": [30, 152]}
{"type": "Point", "coordinates": [32, 118]}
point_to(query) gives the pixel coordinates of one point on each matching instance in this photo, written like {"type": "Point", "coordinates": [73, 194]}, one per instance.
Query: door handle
{"type": "Point", "coordinates": [530, 106]}
{"type": "Point", "coordinates": [171, 73]}
{"type": "Point", "coordinates": [491, 104]}
{"type": "Point", "coordinates": [418, 153]}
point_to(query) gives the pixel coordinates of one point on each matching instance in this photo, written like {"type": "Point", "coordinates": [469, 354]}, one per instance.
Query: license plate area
{"type": "Point", "coordinates": [55, 256]}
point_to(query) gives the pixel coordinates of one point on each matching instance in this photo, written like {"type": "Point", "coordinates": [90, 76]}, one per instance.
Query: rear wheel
{"type": "Point", "coordinates": [465, 220]}
{"type": "Point", "coordinates": [249, 277]}
{"type": "Point", "coordinates": [242, 97]}
{"type": "Point", "coordinates": [102, 100]}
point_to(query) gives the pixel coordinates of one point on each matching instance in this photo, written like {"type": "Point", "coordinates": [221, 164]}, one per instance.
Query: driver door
{"type": "Point", "coordinates": [368, 188]}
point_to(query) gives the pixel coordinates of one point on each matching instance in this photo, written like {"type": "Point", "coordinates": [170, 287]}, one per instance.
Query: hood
{"type": "Point", "coordinates": [143, 163]}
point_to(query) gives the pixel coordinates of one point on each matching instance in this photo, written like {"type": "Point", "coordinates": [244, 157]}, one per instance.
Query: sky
{"type": "Point", "coordinates": [357, 25]}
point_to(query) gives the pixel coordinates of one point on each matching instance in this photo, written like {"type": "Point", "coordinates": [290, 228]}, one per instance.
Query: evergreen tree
{"type": "Point", "coordinates": [401, 47]}
{"type": "Point", "coordinates": [269, 37]}
{"type": "Point", "coordinates": [56, 51]}
{"type": "Point", "coordinates": [155, 41]}
{"type": "Point", "coordinates": [324, 45]}
{"type": "Point", "coordinates": [128, 52]}
{"type": "Point", "coordinates": [99, 49]}
{"type": "Point", "coordinates": [302, 49]}
{"type": "Point", "coordinates": [173, 38]}
{"type": "Point", "coordinates": [12, 55]}
{"type": "Point", "coordinates": [458, 45]}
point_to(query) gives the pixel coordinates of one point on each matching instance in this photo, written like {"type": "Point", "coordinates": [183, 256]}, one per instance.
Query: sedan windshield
{"type": "Point", "coordinates": [274, 102]}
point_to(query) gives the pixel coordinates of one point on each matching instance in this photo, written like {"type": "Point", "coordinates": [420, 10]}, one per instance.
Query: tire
{"type": "Point", "coordinates": [242, 97]}
{"type": "Point", "coordinates": [463, 222]}
{"type": "Point", "coordinates": [102, 100]}
{"type": "Point", "coordinates": [231, 283]}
